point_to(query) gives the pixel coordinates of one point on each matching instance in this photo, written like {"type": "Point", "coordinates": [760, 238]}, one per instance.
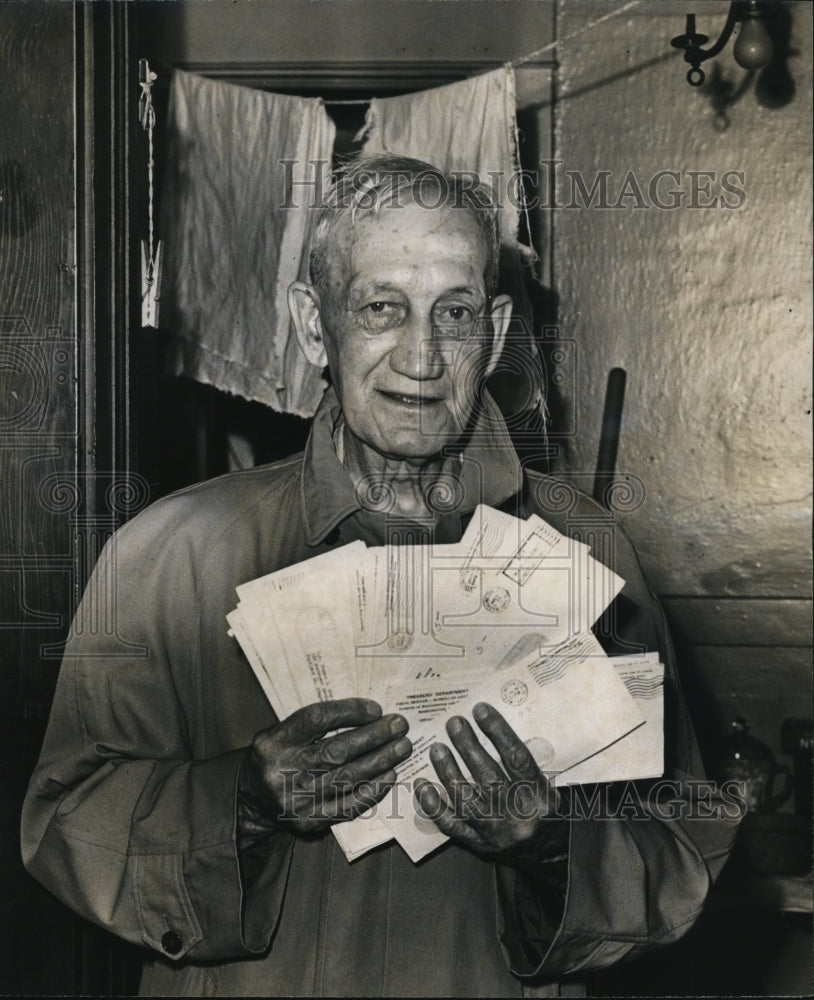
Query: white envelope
{"type": "Point", "coordinates": [639, 754]}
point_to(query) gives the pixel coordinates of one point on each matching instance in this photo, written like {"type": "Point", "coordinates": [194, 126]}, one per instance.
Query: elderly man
{"type": "Point", "coordinates": [163, 806]}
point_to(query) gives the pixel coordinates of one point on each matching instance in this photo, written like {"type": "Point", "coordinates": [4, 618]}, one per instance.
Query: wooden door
{"type": "Point", "coordinates": [63, 417]}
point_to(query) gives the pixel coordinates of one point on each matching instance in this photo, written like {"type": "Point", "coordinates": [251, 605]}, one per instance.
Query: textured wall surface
{"type": "Point", "coordinates": [708, 308]}
{"type": "Point", "coordinates": [288, 31]}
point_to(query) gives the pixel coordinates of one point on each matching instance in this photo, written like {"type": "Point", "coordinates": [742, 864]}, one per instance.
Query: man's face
{"type": "Point", "coordinates": [406, 326]}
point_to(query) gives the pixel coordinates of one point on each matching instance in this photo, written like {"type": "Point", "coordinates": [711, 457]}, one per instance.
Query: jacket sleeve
{"type": "Point", "coordinates": [129, 819]}
{"type": "Point", "coordinates": [642, 855]}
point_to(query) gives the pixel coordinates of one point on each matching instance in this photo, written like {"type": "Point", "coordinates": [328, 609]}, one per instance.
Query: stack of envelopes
{"type": "Point", "coordinates": [503, 616]}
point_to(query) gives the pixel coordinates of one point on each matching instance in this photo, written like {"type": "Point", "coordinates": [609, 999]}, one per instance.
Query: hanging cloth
{"type": "Point", "coordinates": [465, 126]}
{"type": "Point", "coordinates": [237, 236]}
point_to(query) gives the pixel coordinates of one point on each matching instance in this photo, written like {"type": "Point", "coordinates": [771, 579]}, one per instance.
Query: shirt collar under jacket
{"type": "Point", "coordinates": [490, 471]}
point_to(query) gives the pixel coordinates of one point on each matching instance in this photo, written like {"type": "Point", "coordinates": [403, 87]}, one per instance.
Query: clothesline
{"type": "Point", "coordinates": [514, 63]}
{"type": "Point", "coordinates": [520, 60]}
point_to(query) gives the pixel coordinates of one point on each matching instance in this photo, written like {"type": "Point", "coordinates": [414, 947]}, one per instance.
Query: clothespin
{"type": "Point", "coordinates": [150, 283]}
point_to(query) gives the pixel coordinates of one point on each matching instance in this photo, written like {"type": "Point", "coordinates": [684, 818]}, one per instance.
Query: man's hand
{"type": "Point", "coordinates": [296, 777]}
{"type": "Point", "coordinates": [509, 812]}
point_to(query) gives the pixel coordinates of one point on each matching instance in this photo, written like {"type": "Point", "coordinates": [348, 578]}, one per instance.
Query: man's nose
{"type": "Point", "coordinates": [418, 354]}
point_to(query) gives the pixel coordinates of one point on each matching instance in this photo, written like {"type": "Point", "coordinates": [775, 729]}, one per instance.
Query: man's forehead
{"type": "Point", "coordinates": [383, 235]}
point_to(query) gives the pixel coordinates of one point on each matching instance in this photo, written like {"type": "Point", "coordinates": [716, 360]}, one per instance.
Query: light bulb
{"type": "Point", "coordinates": [753, 47]}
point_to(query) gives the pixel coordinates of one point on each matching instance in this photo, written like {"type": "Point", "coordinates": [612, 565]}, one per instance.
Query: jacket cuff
{"type": "Point", "coordinates": [627, 890]}
{"type": "Point", "coordinates": [531, 911]}
{"type": "Point", "coordinates": [202, 899]}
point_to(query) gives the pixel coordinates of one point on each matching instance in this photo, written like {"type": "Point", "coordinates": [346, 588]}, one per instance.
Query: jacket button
{"type": "Point", "coordinates": [171, 943]}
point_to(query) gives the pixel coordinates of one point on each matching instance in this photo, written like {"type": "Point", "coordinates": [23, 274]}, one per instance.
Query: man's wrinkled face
{"type": "Point", "coordinates": [406, 326]}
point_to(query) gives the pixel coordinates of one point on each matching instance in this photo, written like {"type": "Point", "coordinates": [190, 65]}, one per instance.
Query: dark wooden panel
{"type": "Point", "coordinates": [53, 435]}
{"type": "Point", "coordinates": [764, 685]}
{"type": "Point", "coordinates": [736, 621]}
{"type": "Point", "coordinates": [36, 156]}
{"type": "Point", "coordinates": [763, 671]}
{"type": "Point", "coordinates": [38, 449]}
{"type": "Point", "coordinates": [38, 344]}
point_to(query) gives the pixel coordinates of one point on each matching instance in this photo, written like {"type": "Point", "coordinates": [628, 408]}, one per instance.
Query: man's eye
{"type": "Point", "coordinates": [380, 315]}
{"type": "Point", "coordinates": [454, 321]}
{"type": "Point", "coordinates": [455, 314]}
{"type": "Point", "coordinates": [381, 308]}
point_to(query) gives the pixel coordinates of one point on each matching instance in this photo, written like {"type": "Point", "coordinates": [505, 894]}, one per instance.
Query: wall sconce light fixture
{"type": "Point", "coordinates": [753, 46]}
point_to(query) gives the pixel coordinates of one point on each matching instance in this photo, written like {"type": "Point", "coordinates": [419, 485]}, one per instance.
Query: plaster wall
{"type": "Point", "coordinates": [707, 308]}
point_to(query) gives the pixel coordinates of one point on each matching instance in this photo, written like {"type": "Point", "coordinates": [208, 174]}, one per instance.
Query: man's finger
{"type": "Point", "coordinates": [446, 767]}
{"type": "Point", "coordinates": [484, 769]}
{"type": "Point", "coordinates": [431, 806]}
{"type": "Point", "coordinates": [515, 755]}
{"type": "Point", "coordinates": [368, 768]}
{"type": "Point", "coordinates": [362, 797]}
{"type": "Point", "coordinates": [352, 743]}
{"type": "Point", "coordinates": [466, 796]}
{"type": "Point", "coordinates": [319, 813]}
{"type": "Point", "coordinates": [314, 721]}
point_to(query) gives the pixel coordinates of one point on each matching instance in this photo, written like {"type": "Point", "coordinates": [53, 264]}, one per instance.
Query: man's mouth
{"type": "Point", "coordinates": [410, 400]}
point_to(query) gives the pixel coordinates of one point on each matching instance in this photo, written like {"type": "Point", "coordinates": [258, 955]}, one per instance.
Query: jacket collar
{"type": "Point", "coordinates": [489, 469]}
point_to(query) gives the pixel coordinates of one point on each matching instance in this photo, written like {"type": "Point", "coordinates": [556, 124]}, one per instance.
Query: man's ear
{"type": "Point", "coordinates": [304, 306]}
{"type": "Point", "coordinates": [501, 315]}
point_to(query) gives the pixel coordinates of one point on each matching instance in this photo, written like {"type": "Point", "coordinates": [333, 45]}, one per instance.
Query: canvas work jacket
{"type": "Point", "coordinates": [131, 814]}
